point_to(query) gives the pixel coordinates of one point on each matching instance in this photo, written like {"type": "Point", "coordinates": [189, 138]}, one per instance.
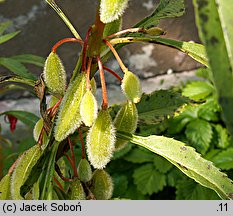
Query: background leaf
{"type": "Point", "coordinates": [6, 37]}
{"type": "Point", "coordinates": [148, 179]}
{"type": "Point", "coordinates": [27, 118]}
{"type": "Point", "coordinates": [218, 51]}
{"type": "Point", "coordinates": [30, 59]}
{"type": "Point", "coordinates": [165, 9]}
{"type": "Point", "coordinates": [17, 68]}
{"type": "Point", "coordinates": [198, 90]}
{"type": "Point", "coordinates": [187, 160]}
{"type": "Point", "coordinates": [154, 107]}
{"type": "Point", "coordinates": [224, 159]}
{"type": "Point", "coordinates": [199, 133]}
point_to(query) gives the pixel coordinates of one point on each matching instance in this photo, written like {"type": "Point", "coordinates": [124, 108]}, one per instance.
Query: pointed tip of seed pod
{"type": "Point", "coordinates": [111, 10]}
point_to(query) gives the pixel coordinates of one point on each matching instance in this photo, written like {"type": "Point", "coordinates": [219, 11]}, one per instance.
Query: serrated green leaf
{"type": "Point", "coordinates": [187, 160]}
{"type": "Point", "coordinates": [161, 164]}
{"type": "Point", "coordinates": [27, 118]}
{"type": "Point", "coordinates": [224, 159]}
{"type": "Point", "coordinates": [139, 155]}
{"type": "Point", "coordinates": [148, 179]}
{"type": "Point", "coordinates": [4, 26]}
{"type": "Point", "coordinates": [173, 176]}
{"type": "Point", "coordinates": [205, 73]}
{"type": "Point", "coordinates": [223, 139]}
{"type": "Point", "coordinates": [122, 152]}
{"type": "Point", "coordinates": [166, 9]}
{"type": "Point", "coordinates": [133, 193]}
{"type": "Point", "coordinates": [198, 90]}
{"type": "Point", "coordinates": [6, 37]}
{"type": "Point", "coordinates": [199, 133]}
{"type": "Point", "coordinates": [120, 183]}
{"type": "Point", "coordinates": [209, 111]}
{"type": "Point", "coordinates": [190, 190]}
{"type": "Point", "coordinates": [154, 107]}
{"type": "Point", "coordinates": [17, 68]}
{"type": "Point", "coordinates": [30, 59]}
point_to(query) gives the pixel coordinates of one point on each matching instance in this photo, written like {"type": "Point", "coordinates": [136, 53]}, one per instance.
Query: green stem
{"type": "Point", "coordinates": [64, 18]}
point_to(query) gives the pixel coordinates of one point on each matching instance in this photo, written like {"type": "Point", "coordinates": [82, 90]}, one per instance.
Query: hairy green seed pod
{"type": "Point", "coordinates": [155, 31]}
{"type": "Point", "coordinates": [101, 140]}
{"type": "Point", "coordinates": [111, 10]}
{"type": "Point", "coordinates": [112, 27]}
{"type": "Point", "coordinates": [23, 169]}
{"type": "Point", "coordinates": [102, 185]}
{"type": "Point", "coordinates": [126, 120]}
{"type": "Point", "coordinates": [131, 87]}
{"type": "Point", "coordinates": [54, 74]}
{"type": "Point", "coordinates": [88, 108]}
{"type": "Point", "coordinates": [93, 85]}
{"type": "Point", "coordinates": [5, 192]}
{"type": "Point", "coordinates": [69, 118]}
{"type": "Point", "coordinates": [77, 191]}
{"type": "Point", "coordinates": [84, 170]}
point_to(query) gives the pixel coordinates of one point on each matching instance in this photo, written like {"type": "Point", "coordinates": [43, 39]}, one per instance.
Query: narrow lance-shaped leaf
{"type": "Point", "coordinates": [30, 59]}
{"type": "Point", "coordinates": [187, 160]}
{"type": "Point", "coordinates": [220, 59]}
{"type": "Point", "coordinates": [6, 37]}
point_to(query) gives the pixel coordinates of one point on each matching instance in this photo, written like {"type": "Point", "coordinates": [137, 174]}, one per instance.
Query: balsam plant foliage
{"type": "Point", "coordinates": [86, 150]}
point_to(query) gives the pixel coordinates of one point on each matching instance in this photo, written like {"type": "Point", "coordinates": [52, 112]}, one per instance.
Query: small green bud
{"type": "Point", "coordinates": [101, 140]}
{"type": "Point", "coordinates": [69, 118]}
{"type": "Point", "coordinates": [84, 170]}
{"type": "Point", "coordinates": [111, 10]}
{"type": "Point", "coordinates": [88, 108]}
{"type": "Point", "coordinates": [126, 120]}
{"type": "Point", "coordinates": [131, 87]}
{"type": "Point", "coordinates": [102, 185]}
{"type": "Point", "coordinates": [155, 31]}
{"type": "Point", "coordinates": [54, 74]}
{"type": "Point", "coordinates": [23, 169]}
{"type": "Point", "coordinates": [77, 191]}
{"type": "Point", "coordinates": [5, 192]}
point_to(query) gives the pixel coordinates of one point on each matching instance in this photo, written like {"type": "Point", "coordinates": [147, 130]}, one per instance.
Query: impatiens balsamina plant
{"type": "Point", "coordinates": [72, 121]}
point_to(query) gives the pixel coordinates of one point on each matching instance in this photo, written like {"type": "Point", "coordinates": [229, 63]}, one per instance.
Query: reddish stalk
{"type": "Point", "coordinates": [65, 40]}
{"type": "Point", "coordinates": [84, 57]}
{"type": "Point", "coordinates": [103, 84]}
{"type": "Point", "coordinates": [40, 140]}
{"type": "Point", "coordinates": [58, 184]}
{"type": "Point", "coordinates": [131, 30]}
{"type": "Point", "coordinates": [123, 68]}
{"type": "Point", "coordinates": [53, 111]}
{"type": "Point", "coordinates": [83, 143]}
{"type": "Point", "coordinates": [113, 73]}
{"type": "Point", "coordinates": [88, 74]}
{"type": "Point", "coordinates": [60, 174]}
{"type": "Point", "coordinates": [73, 157]}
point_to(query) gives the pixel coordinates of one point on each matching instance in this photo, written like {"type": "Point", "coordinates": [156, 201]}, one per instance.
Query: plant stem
{"type": "Point", "coordinates": [58, 183]}
{"type": "Point", "coordinates": [103, 84]}
{"type": "Point", "coordinates": [83, 143]}
{"type": "Point", "coordinates": [130, 30]}
{"type": "Point", "coordinates": [61, 176]}
{"type": "Point", "coordinates": [123, 68]}
{"type": "Point", "coordinates": [73, 157]}
{"type": "Point", "coordinates": [84, 53]}
{"type": "Point", "coordinates": [113, 73]}
{"type": "Point", "coordinates": [88, 74]}
{"type": "Point", "coordinates": [64, 18]}
{"type": "Point", "coordinates": [65, 40]}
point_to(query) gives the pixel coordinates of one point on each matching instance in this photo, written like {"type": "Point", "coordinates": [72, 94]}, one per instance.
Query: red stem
{"type": "Point", "coordinates": [88, 73]}
{"type": "Point", "coordinates": [83, 143]}
{"type": "Point", "coordinates": [123, 68]}
{"type": "Point", "coordinates": [84, 58]}
{"type": "Point", "coordinates": [65, 40]}
{"type": "Point", "coordinates": [58, 184]}
{"type": "Point", "coordinates": [73, 157]}
{"type": "Point", "coordinates": [113, 73]}
{"type": "Point", "coordinates": [103, 84]}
